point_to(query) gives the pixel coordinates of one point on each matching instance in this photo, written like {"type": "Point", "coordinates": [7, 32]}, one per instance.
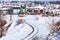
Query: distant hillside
{"type": "Point", "coordinates": [55, 2]}
{"type": "Point", "coordinates": [36, 2]}
{"type": "Point", "coordinates": [42, 2]}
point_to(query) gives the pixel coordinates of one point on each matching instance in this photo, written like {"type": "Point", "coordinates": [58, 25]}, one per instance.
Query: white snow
{"type": "Point", "coordinates": [41, 24]}
{"type": "Point", "coordinates": [7, 18]}
{"type": "Point", "coordinates": [18, 33]}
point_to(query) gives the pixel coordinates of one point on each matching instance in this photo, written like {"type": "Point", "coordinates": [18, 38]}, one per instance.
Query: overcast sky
{"type": "Point", "coordinates": [29, 0]}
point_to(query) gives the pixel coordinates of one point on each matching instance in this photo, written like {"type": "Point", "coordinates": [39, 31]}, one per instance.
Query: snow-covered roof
{"type": "Point", "coordinates": [6, 8]}
{"type": "Point", "coordinates": [0, 6]}
{"type": "Point", "coordinates": [57, 6]}
{"type": "Point", "coordinates": [40, 7]}
{"type": "Point", "coordinates": [57, 10]}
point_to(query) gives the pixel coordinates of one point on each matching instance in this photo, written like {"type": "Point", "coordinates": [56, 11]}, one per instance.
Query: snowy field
{"type": "Point", "coordinates": [40, 24]}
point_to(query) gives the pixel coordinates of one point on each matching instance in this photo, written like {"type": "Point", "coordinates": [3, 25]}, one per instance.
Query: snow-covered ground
{"type": "Point", "coordinates": [40, 23]}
